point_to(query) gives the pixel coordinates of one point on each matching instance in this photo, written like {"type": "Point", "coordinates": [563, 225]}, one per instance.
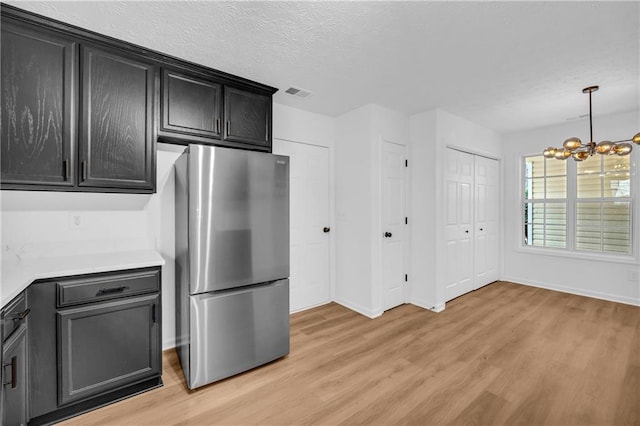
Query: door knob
{"type": "Point", "coordinates": [326, 229]}
{"type": "Point", "coordinates": [466, 232]}
{"type": "Point", "coordinates": [482, 229]}
{"type": "Point", "coordinates": [388, 234]}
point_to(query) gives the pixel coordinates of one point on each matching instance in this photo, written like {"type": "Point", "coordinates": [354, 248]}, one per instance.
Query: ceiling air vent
{"type": "Point", "coordinates": [296, 91]}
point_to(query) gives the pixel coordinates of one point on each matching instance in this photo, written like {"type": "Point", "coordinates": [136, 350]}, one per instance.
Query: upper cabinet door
{"type": "Point", "coordinates": [116, 120]}
{"type": "Point", "coordinates": [37, 129]}
{"type": "Point", "coordinates": [247, 117]}
{"type": "Point", "coordinates": [190, 106]}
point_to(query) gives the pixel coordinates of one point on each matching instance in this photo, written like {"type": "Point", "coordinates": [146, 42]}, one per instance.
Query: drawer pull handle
{"type": "Point", "coordinates": [112, 290]}
{"type": "Point", "coordinates": [14, 372]}
{"type": "Point", "coordinates": [21, 315]}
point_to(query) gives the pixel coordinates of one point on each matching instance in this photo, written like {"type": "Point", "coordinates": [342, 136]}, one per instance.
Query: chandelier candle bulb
{"type": "Point", "coordinates": [580, 156]}
{"type": "Point", "coordinates": [573, 147]}
{"type": "Point", "coordinates": [550, 152]}
{"type": "Point", "coordinates": [623, 148]}
{"type": "Point", "coordinates": [604, 147]}
{"type": "Point", "coordinates": [572, 144]}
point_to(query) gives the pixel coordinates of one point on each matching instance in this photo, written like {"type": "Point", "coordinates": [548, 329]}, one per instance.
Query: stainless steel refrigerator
{"type": "Point", "coordinates": [232, 261]}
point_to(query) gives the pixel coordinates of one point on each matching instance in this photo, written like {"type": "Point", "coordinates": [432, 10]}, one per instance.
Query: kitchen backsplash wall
{"type": "Point", "coordinates": [38, 224]}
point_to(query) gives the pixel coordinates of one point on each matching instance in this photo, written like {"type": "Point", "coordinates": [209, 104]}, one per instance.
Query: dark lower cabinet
{"type": "Point", "coordinates": [14, 378]}
{"type": "Point", "coordinates": [106, 345]}
{"type": "Point", "coordinates": [247, 117]}
{"type": "Point", "coordinates": [93, 339]}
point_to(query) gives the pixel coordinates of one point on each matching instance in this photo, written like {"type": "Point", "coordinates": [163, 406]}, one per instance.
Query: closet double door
{"type": "Point", "coordinates": [471, 222]}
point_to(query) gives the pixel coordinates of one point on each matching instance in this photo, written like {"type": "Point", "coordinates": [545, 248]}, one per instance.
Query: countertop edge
{"type": "Point", "coordinates": [17, 275]}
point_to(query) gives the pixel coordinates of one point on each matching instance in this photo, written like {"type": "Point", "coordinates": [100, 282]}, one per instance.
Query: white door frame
{"type": "Point", "coordinates": [332, 210]}
{"type": "Point", "coordinates": [441, 214]}
{"type": "Point", "coordinates": [378, 231]}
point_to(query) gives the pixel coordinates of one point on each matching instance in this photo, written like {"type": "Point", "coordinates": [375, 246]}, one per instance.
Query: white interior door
{"type": "Point", "coordinates": [393, 224]}
{"type": "Point", "coordinates": [309, 223]}
{"type": "Point", "coordinates": [459, 223]}
{"type": "Point", "coordinates": [486, 245]}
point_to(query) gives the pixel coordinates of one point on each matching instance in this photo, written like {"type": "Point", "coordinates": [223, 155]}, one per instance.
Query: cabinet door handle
{"type": "Point", "coordinates": [67, 169]}
{"type": "Point", "coordinates": [112, 290]}
{"type": "Point", "coordinates": [21, 315]}
{"type": "Point", "coordinates": [84, 170]}
{"type": "Point", "coordinates": [153, 313]}
{"type": "Point", "coordinates": [217, 125]}
{"type": "Point", "coordinates": [228, 127]}
{"type": "Point", "coordinates": [14, 372]}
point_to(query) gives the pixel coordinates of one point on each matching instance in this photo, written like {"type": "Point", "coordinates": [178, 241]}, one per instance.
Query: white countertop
{"type": "Point", "coordinates": [18, 274]}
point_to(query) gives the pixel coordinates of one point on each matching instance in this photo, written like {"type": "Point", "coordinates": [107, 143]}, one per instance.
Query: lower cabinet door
{"type": "Point", "coordinates": [14, 379]}
{"type": "Point", "coordinates": [107, 345]}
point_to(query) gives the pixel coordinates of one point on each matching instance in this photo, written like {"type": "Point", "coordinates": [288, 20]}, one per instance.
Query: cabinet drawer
{"type": "Point", "coordinates": [108, 286]}
{"type": "Point", "coordinates": [13, 315]}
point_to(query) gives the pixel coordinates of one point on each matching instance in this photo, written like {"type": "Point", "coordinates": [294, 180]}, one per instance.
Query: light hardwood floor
{"type": "Point", "coordinates": [504, 354]}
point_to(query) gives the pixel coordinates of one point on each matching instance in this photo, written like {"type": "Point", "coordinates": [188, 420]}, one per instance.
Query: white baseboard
{"type": "Point", "coordinates": [427, 305]}
{"type": "Point", "coordinates": [357, 308]}
{"type": "Point", "coordinates": [304, 308]}
{"type": "Point", "coordinates": [573, 290]}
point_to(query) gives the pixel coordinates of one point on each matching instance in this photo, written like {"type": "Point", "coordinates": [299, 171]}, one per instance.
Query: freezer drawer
{"type": "Point", "coordinates": [237, 330]}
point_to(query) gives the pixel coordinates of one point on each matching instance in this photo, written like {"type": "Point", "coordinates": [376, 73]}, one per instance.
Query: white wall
{"type": "Point", "coordinates": [37, 224]}
{"type": "Point", "coordinates": [422, 211]}
{"type": "Point", "coordinates": [353, 210]}
{"type": "Point", "coordinates": [359, 135]}
{"type": "Point", "coordinates": [580, 275]}
{"type": "Point", "coordinates": [431, 132]}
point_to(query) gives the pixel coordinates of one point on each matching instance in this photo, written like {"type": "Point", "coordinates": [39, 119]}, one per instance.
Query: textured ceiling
{"type": "Point", "coordinates": [505, 65]}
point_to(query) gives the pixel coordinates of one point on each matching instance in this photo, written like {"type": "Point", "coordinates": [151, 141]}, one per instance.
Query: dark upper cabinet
{"type": "Point", "coordinates": [247, 117]}
{"type": "Point", "coordinates": [192, 112]}
{"type": "Point", "coordinates": [116, 120]}
{"type": "Point", "coordinates": [38, 125]}
{"type": "Point", "coordinates": [74, 117]}
{"type": "Point", "coordinates": [191, 106]}
{"type": "Point", "coordinates": [82, 112]}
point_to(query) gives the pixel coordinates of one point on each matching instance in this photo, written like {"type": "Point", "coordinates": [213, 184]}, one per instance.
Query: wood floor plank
{"type": "Point", "coordinates": [504, 354]}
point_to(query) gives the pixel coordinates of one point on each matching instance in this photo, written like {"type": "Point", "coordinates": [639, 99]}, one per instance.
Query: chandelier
{"type": "Point", "coordinates": [573, 147]}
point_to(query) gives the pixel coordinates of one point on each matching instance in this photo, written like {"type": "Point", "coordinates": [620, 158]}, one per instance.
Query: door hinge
{"type": "Point", "coordinates": [406, 277]}
{"type": "Point", "coordinates": [406, 163]}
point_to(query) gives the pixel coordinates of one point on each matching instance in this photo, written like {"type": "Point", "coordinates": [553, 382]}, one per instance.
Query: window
{"type": "Point", "coordinates": [603, 205]}
{"type": "Point", "coordinates": [545, 204]}
{"type": "Point", "coordinates": [579, 206]}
